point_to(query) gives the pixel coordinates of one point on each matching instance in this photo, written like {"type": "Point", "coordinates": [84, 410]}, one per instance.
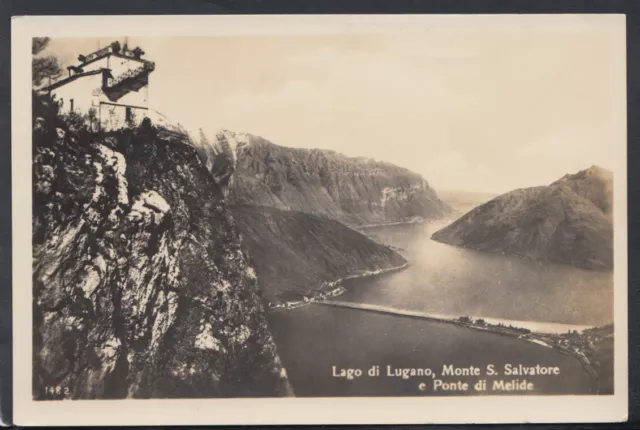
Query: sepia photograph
{"type": "Point", "coordinates": [419, 212]}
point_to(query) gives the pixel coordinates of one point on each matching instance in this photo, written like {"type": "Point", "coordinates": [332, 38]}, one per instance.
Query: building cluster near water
{"type": "Point", "coordinates": [580, 342]}
{"type": "Point", "coordinates": [498, 328]}
{"type": "Point", "coordinates": [319, 295]}
{"type": "Point", "coordinates": [330, 289]}
{"type": "Point", "coordinates": [587, 345]}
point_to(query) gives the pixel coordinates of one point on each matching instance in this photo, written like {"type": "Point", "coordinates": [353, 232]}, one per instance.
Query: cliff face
{"type": "Point", "coordinates": [297, 254]}
{"type": "Point", "coordinates": [355, 191]}
{"type": "Point", "coordinates": [567, 222]}
{"type": "Point", "coordinates": [141, 286]}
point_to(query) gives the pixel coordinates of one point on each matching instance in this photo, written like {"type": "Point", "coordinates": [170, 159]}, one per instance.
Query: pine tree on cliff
{"type": "Point", "coordinates": [43, 67]}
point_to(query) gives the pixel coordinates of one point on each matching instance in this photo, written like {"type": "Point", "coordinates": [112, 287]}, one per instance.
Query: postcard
{"type": "Point", "coordinates": [319, 219]}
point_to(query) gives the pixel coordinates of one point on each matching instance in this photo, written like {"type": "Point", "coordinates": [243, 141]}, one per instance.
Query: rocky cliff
{"type": "Point", "coordinates": [297, 254]}
{"type": "Point", "coordinates": [141, 287]}
{"type": "Point", "coordinates": [354, 191]}
{"type": "Point", "coordinates": [568, 222]}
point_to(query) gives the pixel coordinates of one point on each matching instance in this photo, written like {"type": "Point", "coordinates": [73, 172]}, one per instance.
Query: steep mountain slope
{"type": "Point", "coordinates": [355, 191]}
{"type": "Point", "coordinates": [141, 287]}
{"type": "Point", "coordinates": [567, 222]}
{"type": "Point", "coordinates": [297, 254]}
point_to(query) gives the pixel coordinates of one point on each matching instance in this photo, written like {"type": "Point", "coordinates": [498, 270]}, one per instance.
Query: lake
{"type": "Point", "coordinates": [443, 280]}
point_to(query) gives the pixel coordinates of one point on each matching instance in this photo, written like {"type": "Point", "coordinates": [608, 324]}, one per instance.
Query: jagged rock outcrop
{"type": "Point", "coordinates": [297, 254]}
{"type": "Point", "coordinates": [569, 221]}
{"type": "Point", "coordinates": [218, 154]}
{"type": "Point", "coordinates": [141, 285]}
{"type": "Point", "coordinates": [355, 191]}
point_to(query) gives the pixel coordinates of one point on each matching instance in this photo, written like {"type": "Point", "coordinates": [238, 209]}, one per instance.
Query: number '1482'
{"type": "Point", "coordinates": [56, 390]}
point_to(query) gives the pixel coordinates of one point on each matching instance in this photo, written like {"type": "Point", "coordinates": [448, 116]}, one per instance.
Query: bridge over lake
{"type": "Point", "coordinates": [534, 326]}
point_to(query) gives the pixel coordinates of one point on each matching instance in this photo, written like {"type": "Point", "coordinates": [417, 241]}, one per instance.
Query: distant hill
{"type": "Point", "coordinates": [294, 253]}
{"type": "Point", "coordinates": [594, 184]}
{"type": "Point", "coordinates": [464, 201]}
{"type": "Point", "coordinates": [355, 191]}
{"type": "Point", "coordinates": [568, 222]}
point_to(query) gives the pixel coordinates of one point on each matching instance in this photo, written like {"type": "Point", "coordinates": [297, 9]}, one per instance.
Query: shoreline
{"type": "Point", "coordinates": [524, 257]}
{"type": "Point", "coordinates": [333, 288]}
{"type": "Point", "coordinates": [448, 218]}
{"type": "Point", "coordinates": [390, 224]}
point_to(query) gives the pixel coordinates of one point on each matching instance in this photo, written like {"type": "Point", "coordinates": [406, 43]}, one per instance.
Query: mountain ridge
{"type": "Point", "coordinates": [568, 221]}
{"type": "Point", "coordinates": [353, 190]}
{"type": "Point", "coordinates": [299, 255]}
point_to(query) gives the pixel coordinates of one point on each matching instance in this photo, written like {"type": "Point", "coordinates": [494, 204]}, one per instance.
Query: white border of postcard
{"type": "Point", "coordinates": [413, 410]}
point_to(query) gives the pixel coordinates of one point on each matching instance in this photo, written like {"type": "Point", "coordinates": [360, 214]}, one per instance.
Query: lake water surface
{"type": "Point", "coordinates": [443, 280]}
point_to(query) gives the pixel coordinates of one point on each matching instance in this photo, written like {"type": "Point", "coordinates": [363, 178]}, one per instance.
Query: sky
{"type": "Point", "coordinates": [475, 111]}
